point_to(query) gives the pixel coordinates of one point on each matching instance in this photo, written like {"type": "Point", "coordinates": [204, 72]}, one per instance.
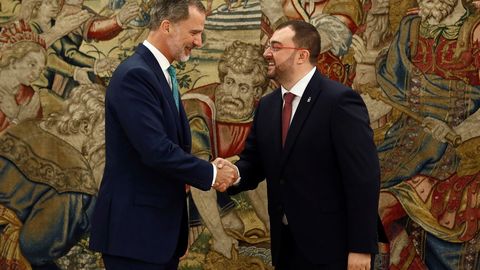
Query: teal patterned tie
{"type": "Point", "coordinates": [175, 92]}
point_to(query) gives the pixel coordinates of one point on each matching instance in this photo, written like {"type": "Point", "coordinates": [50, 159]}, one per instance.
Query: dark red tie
{"type": "Point", "coordinates": [286, 114]}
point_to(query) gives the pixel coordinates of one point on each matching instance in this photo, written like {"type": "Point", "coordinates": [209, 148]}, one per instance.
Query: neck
{"type": "Point", "coordinates": [296, 76]}
{"type": "Point", "coordinates": [157, 40]}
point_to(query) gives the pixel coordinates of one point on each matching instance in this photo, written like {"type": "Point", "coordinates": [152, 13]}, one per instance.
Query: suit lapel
{"type": "Point", "coordinates": [306, 104]}
{"type": "Point", "coordinates": [185, 135]}
{"type": "Point", "coordinates": [276, 116]}
{"type": "Point", "coordinates": [164, 88]}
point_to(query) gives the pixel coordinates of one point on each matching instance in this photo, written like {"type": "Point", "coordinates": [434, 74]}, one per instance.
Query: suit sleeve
{"type": "Point", "coordinates": [250, 163]}
{"type": "Point", "coordinates": [142, 118]}
{"type": "Point", "coordinates": [357, 157]}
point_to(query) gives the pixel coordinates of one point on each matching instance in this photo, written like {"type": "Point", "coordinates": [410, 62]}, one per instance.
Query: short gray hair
{"type": "Point", "coordinates": [172, 10]}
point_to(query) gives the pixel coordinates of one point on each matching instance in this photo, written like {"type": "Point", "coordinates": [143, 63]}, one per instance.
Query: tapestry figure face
{"type": "Point", "coordinates": [48, 9]}
{"type": "Point", "coordinates": [29, 67]}
{"type": "Point", "coordinates": [186, 35]}
{"type": "Point", "coordinates": [235, 98]}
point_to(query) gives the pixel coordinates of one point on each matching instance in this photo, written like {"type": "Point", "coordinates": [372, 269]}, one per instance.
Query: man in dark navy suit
{"type": "Point", "coordinates": [140, 220]}
{"type": "Point", "coordinates": [312, 141]}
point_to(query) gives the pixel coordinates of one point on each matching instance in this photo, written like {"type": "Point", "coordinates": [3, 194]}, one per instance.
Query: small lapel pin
{"type": "Point", "coordinates": [309, 99]}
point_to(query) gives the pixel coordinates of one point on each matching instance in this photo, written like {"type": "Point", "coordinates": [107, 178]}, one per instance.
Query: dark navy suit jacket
{"type": "Point", "coordinates": [141, 207]}
{"type": "Point", "coordinates": [326, 179]}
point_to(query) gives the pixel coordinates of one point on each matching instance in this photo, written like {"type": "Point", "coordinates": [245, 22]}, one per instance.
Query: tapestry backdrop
{"type": "Point", "coordinates": [415, 63]}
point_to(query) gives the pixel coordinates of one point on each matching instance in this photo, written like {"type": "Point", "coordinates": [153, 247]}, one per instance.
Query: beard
{"type": "Point", "coordinates": [231, 109]}
{"type": "Point", "coordinates": [281, 71]}
{"type": "Point", "coordinates": [183, 57]}
{"type": "Point", "coordinates": [181, 54]}
{"type": "Point", "coordinates": [180, 51]}
{"type": "Point", "coordinates": [437, 10]}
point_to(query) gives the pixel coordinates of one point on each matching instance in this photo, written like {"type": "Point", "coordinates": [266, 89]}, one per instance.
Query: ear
{"type": "Point", "coordinates": [304, 56]}
{"type": "Point", "coordinates": [257, 92]}
{"type": "Point", "coordinates": [165, 26]}
{"type": "Point", "coordinates": [85, 127]}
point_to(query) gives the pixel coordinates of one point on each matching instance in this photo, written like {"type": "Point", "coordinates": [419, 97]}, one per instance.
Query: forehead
{"type": "Point", "coordinates": [244, 78]}
{"type": "Point", "coordinates": [195, 20]}
{"type": "Point", "coordinates": [39, 56]}
{"type": "Point", "coordinates": [48, 2]}
{"type": "Point", "coordinates": [284, 35]}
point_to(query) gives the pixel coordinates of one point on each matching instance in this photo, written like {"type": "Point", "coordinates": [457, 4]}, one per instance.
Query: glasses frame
{"type": "Point", "coordinates": [279, 47]}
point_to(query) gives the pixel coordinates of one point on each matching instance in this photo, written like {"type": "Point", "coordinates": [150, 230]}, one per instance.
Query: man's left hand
{"type": "Point", "coordinates": [359, 261]}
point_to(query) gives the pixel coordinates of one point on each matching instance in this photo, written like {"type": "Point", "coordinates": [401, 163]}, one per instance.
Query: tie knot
{"type": "Point", "coordinates": [171, 71]}
{"type": "Point", "coordinates": [288, 97]}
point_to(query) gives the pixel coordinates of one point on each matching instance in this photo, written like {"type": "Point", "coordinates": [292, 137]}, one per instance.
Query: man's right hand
{"type": "Point", "coordinates": [227, 174]}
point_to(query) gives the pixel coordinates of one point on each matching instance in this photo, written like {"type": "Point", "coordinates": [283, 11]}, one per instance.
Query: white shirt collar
{"type": "Point", "coordinates": [162, 60]}
{"type": "Point", "coordinates": [301, 85]}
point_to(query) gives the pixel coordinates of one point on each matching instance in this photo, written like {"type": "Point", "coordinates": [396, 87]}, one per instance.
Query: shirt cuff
{"type": "Point", "coordinates": [214, 173]}
{"type": "Point", "coordinates": [237, 182]}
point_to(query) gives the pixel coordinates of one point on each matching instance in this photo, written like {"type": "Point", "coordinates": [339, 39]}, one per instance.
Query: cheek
{"type": "Point", "coordinates": [34, 71]}
{"type": "Point", "coordinates": [186, 39]}
{"type": "Point", "coordinates": [247, 98]}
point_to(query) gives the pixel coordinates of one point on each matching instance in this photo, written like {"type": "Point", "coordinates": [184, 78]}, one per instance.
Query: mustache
{"type": "Point", "coordinates": [227, 101]}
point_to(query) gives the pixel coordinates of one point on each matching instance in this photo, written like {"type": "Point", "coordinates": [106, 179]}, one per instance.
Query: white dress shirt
{"type": "Point", "coordinates": [161, 59]}
{"type": "Point", "coordinates": [298, 90]}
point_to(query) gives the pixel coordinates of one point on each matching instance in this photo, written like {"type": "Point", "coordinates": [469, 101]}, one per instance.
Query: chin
{"type": "Point", "coordinates": [184, 58]}
{"type": "Point", "coordinates": [271, 76]}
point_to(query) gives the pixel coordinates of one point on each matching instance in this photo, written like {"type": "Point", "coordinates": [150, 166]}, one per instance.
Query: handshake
{"type": "Point", "coordinates": [227, 174]}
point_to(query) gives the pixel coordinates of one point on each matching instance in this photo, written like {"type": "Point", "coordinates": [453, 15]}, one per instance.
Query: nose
{"type": "Point", "coordinates": [267, 53]}
{"type": "Point", "coordinates": [36, 73]}
{"type": "Point", "coordinates": [235, 91]}
{"type": "Point", "coordinates": [197, 40]}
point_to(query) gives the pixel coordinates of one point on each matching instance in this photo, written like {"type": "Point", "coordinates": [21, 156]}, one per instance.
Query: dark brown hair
{"type": "Point", "coordinates": [306, 36]}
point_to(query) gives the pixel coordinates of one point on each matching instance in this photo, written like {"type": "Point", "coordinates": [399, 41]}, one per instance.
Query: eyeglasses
{"type": "Point", "coordinates": [277, 47]}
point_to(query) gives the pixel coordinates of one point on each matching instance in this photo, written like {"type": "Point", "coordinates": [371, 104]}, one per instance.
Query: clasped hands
{"type": "Point", "coordinates": [227, 174]}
